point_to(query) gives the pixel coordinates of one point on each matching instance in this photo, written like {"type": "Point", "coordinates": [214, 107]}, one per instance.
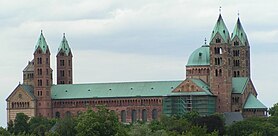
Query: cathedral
{"type": "Point", "coordinates": [217, 81]}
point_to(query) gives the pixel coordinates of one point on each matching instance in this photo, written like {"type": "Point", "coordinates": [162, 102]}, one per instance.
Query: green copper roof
{"type": "Point", "coordinates": [64, 46]}
{"type": "Point", "coordinates": [239, 84]}
{"type": "Point", "coordinates": [239, 32]}
{"type": "Point", "coordinates": [41, 43]}
{"type": "Point", "coordinates": [106, 90]}
{"type": "Point", "coordinates": [29, 89]}
{"type": "Point", "coordinates": [253, 103]}
{"type": "Point", "coordinates": [220, 28]}
{"type": "Point", "coordinates": [199, 57]}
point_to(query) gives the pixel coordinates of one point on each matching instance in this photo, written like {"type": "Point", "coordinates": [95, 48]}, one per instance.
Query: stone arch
{"type": "Point", "coordinates": [154, 114]}
{"type": "Point", "coordinates": [68, 113]}
{"type": "Point", "coordinates": [133, 116]}
{"type": "Point", "coordinates": [123, 116]}
{"type": "Point", "coordinates": [57, 114]}
{"type": "Point", "coordinates": [144, 115]}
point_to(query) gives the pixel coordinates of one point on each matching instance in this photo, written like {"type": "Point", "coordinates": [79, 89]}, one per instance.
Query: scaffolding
{"type": "Point", "coordinates": [180, 105]}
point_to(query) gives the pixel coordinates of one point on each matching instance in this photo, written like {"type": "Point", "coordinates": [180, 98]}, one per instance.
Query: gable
{"type": "Point", "coordinates": [192, 87]}
{"type": "Point", "coordinates": [21, 92]}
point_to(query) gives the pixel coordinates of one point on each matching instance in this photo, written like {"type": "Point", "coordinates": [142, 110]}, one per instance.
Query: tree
{"type": "Point", "coordinates": [66, 126]}
{"type": "Point", "coordinates": [100, 123]}
{"type": "Point", "coordinates": [4, 132]}
{"type": "Point", "coordinates": [40, 125]}
{"type": "Point", "coordinates": [253, 126]}
{"type": "Point", "coordinates": [11, 126]}
{"type": "Point", "coordinates": [20, 123]}
{"type": "Point", "coordinates": [212, 123]}
{"type": "Point", "coordinates": [273, 111]}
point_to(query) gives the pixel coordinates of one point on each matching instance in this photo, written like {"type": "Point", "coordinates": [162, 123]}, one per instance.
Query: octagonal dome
{"type": "Point", "coordinates": [200, 57]}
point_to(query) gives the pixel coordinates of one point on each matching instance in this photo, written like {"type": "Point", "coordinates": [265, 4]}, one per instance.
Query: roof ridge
{"type": "Point", "coordinates": [120, 82]}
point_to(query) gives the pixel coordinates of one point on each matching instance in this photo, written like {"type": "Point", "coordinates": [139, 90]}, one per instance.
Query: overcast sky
{"type": "Point", "coordinates": [138, 40]}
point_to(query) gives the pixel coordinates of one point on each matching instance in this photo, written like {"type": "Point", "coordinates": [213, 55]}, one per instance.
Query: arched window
{"type": "Point", "coordinates": [220, 72]}
{"type": "Point", "coordinates": [57, 114]}
{"type": "Point", "coordinates": [68, 113]}
{"type": "Point", "coordinates": [123, 116]}
{"type": "Point", "coordinates": [144, 115]}
{"type": "Point", "coordinates": [216, 72]}
{"type": "Point", "coordinates": [133, 116]}
{"type": "Point", "coordinates": [154, 114]}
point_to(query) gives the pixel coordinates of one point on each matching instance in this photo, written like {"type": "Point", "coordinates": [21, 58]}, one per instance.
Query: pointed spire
{"type": "Point", "coordinates": [220, 28]}
{"type": "Point", "coordinates": [64, 46]}
{"type": "Point", "coordinates": [41, 43]}
{"type": "Point", "coordinates": [239, 32]}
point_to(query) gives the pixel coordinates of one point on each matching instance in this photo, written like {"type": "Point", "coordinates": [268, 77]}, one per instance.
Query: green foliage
{"type": "Point", "coordinates": [273, 111]}
{"type": "Point", "coordinates": [66, 126]}
{"type": "Point", "coordinates": [191, 116]}
{"type": "Point", "coordinates": [100, 123]}
{"type": "Point", "coordinates": [21, 123]}
{"type": "Point", "coordinates": [4, 132]}
{"type": "Point", "coordinates": [252, 126]}
{"type": "Point", "coordinates": [40, 125]}
{"type": "Point", "coordinates": [212, 123]}
{"type": "Point", "coordinates": [11, 126]}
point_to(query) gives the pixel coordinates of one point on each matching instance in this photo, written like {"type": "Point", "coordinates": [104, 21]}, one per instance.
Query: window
{"type": "Point", "coordinates": [47, 61]}
{"type": "Point", "coordinates": [218, 40]}
{"type": "Point", "coordinates": [220, 72]}
{"type": "Point", "coordinates": [123, 116]}
{"type": "Point", "coordinates": [57, 114]}
{"type": "Point", "coordinates": [236, 53]}
{"type": "Point", "coordinates": [69, 73]}
{"type": "Point", "coordinates": [218, 61]}
{"type": "Point", "coordinates": [144, 115]}
{"type": "Point", "coordinates": [39, 71]}
{"type": "Point", "coordinates": [236, 63]}
{"type": "Point", "coordinates": [39, 60]}
{"type": "Point", "coordinates": [218, 50]}
{"type": "Point", "coordinates": [154, 114]}
{"type": "Point", "coordinates": [47, 82]}
{"type": "Point", "coordinates": [39, 82]}
{"type": "Point", "coordinates": [69, 62]}
{"type": "Point", "coordinates": [216, 72]}
{"type": "Point", "coordinates": [68, 113]}
{"type": "Point", "coordinates": [62, 73]}
{"type": "Point", "coordinates": [236, 43]}
{"type": "Point", "coordinates": [133, 116]}
{"type": "Point", "coordinates": [62, 62]}
{"type": "Point", "coordinates": [47, 71]}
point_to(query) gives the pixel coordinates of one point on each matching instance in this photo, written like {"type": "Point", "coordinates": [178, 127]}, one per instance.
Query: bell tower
{"type": "Point", "coordinates": [42, 78]}
{"type": "Point", "coordinates": [240, 52]}
{"type": "Point", "coordinates": [64, 63]}
{"type": "Point", "coordinates": [220, 64]}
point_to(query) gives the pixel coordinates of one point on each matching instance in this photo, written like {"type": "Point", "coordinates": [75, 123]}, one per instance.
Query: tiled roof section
{"type": "Point", "coordinates": [29, 89]}
{"type": "Point", "coordinates": [239, 32]}
{"type": "Point", "coordinates": [64, 46]}
{"type": "Point", "coordinates": [239, 84]}
{"type": "Point", "coordinates": [41, 43]}
{"type": "Point", "coordinates": [220, 28]}
{"type": "Point", "coordinates": [253, 103]}
{"type": "Point", "coordinates": [200, 57]}
{"type": "Point", "coordinates": [200, 83]}
{"type": "Point", "coordinates": [29, 67]}
{"type": "Point", "coordinates": [108, 90]}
